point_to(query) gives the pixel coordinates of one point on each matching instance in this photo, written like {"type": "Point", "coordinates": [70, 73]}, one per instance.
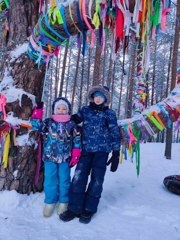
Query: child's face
{"type": "Point", "coordinates": [98, 100]}
{"type": "Point", "coordinates": [61, 109]}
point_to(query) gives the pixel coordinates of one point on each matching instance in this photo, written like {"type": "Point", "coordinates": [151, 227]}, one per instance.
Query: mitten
{"type": "Point", "coordinates": [76, 153]}
{"type": "Point", "coordinates": [114, 160]}
{"type": "Point", "coordinates": [38, 111]}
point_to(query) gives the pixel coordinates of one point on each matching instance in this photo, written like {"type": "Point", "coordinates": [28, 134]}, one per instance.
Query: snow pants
{"type": "Point", "coordinates": [82, 196]}
{"type": "Point", "coordinates": [56, 182]}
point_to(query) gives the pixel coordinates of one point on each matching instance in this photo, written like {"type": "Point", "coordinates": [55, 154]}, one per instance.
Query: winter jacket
{"type": "Point", "coordinates": [100, 131]}
{"type": "Point", "coordinates": [58, 137]}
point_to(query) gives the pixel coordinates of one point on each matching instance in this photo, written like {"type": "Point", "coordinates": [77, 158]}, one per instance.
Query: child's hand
{"type": "Point", "coordinates": [114, 160]}
{"type": "Point", "coordinates": [38, 111]}
{"type": "Point", "coordinates": [76, 153]}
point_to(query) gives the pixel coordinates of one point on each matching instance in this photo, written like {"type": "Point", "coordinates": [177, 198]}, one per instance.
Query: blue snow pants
{"type": "Point", "coordinates": [82, 196]}
{"type": "Point", "coordinates": [56, 182]}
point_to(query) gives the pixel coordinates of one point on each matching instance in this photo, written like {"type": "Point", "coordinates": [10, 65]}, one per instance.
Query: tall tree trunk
{"type": "Point", "coordinates": [127, 89]}
{"type": "Point", "coordinates": [112, 86]}
{"type": "Point", "coordinates": [89, 72]}
{"type": "Point", "coordinates": [97, 64]}
{"type": "Point", "coordinates": [120, 92]}
{"type": "Point", "coordinates": [168, 147]}
{"type": "Point", "coordinates": [169, 68]}
{"type": "Point", "coordinates": [154, 74]}
{"type": "Point", "coordinates": [63, 70]}
{"type": "Point", "coordinates": [56, 76]}
{"type": "Point", "coordinates": [75, 79]}
{"type": "Point", "coordinates": [81, 85]}
{"type": "Point", "coordinates": [109, 78]}
{"type": "Point", "coordinates": [68, 73]}
{"type": "Point", "coordinates": [22, 17]}
{"type": "Point", "coordinates": [104, 68]}
{"type": "Point", "coordinates": [131, 86]}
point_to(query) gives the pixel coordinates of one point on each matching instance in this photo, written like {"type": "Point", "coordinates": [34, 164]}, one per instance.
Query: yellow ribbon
{"type": "Point", "coordinates": [96, 20]}
{"type": "Point", "coordinates": [6, 150]}
{"type": "Point", "coordinates": [56, 15]}
{"type": "Point", "coordinates": [121, 154]}
{"type": "Point", "coordinates": [53, 3]}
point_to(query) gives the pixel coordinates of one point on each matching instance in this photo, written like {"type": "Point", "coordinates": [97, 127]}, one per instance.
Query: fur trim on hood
{"type": "Point", "coordinates": [100, 88]}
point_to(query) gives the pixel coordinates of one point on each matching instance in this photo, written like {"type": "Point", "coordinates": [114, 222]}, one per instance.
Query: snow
{"type": "Point", "coordinates": [18, 51]}
{"type": "Point", "coordinates": [131, 207]}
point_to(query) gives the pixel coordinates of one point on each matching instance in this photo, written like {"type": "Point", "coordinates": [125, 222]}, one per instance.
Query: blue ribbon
{"type": "Point", "coordinates": [81, 27]}
{"type": "Point", "coordinates": [52, 30]}
{"type": "Point", "coordinates": [64, 20]}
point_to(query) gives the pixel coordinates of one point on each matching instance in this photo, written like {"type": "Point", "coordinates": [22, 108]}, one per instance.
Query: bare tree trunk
{"type": "Point", "coordinates": [75, 79]}
{"type": "Point", "coordinates": [169, 68]}
{"type": "Point", "coordinates": [112, 86]}
{"type": "Point", "coordinates": [127, 89]}
{"type": "Point", "coordinates": [63, 70]}
{"type": "Point", "coordinates": [56, 76]}
{"type": "Point", "coordinates": [88, 75]}
{"type": "Point", "coordinates": [109, 78]}
{"type": "Point", "coordinates": [69, 65]}
{"type": "Point", "coordinates": [104, 67]}
{"type": "Point", "coordinates": [120, 92]}
{"type": "Point", "coordinates": [81, 84]}
{"type": "Point", "coordinates": [129, 110]}
{"type": "Point", "coordinates": [154, 75]}
{"type": "Point", "coordinates": [147, 90]}
{"type": "Point", "coordinates": [97, 64]}
{"type": "Point", "coordinates": [173, 78]}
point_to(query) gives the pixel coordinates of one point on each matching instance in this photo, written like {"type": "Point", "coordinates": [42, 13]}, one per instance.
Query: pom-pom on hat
{"type": "Point", "coordinates": [102, 89]}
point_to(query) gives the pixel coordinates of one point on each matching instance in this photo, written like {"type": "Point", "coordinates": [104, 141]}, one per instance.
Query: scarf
{"type": "Point", "coordinates": [61, 118]}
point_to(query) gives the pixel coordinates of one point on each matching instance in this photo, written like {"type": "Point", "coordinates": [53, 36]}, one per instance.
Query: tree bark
{"type": "Point", "coordinates": [97, 64]}
{"type": "Point", "coordinates": [173, 78]}
{"type": "Point", "coordinates": [154, 72]}
{"type": "Point", "coordinates": [130, 98]}
{"type": "Point", "coordinates": [19, 174]}
{"type": "Point", "coordinates": [63, 70]}
{"type": "Point", "coordinates": [75, 79]}
{"type": "Point", "coordinates": [68, 74]}
{"type": "Point", "coordinates": [169, 68]}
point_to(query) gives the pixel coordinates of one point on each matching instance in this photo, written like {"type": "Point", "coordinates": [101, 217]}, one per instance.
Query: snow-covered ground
{"type": "Point", "coordinates": [131, 208]}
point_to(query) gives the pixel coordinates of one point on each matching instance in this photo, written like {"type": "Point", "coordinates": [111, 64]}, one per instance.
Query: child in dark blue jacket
{"type": "Point", "coordinates": [100, 136]}
{"type": "Point", "coordinates": [61, 150]}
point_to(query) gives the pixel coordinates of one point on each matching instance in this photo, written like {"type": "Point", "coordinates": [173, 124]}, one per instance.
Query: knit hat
{"type": "Point", "coordinates": [99, 94]}
{"type": "Point", "coordinates": [102, 89]}
{"type": "Point", "coordinates": [59, 101]}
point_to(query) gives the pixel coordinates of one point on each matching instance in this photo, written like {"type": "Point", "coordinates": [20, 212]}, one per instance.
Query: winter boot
{"type": "Point", "coordinates": [68, 216]}
{"type": "Point", "coordinates": [62, 208]}
{"type": "Point", "coordinates": [85, 217]}
{"type": "Point", "coordinates": [48, 210]}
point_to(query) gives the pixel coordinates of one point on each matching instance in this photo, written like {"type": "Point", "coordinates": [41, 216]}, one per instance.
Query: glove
{"type": "Point", "coordinates": [76, 153]}
{"type": "Point", "coordinates": [114, 160]}
{"type": "Point", "coordinates": [38, 111]}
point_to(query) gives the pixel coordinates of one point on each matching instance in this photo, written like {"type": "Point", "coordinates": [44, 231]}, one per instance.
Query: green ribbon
{"type": "Point", "coordinates": [137, 144]}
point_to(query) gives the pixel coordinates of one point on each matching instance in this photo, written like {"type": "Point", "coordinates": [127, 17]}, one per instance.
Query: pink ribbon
{"type": "Point", "coordinates": [87, 23]}
{"type": "Point", "coordinates": [163, 19]}
{"type": "Point", "coordinates": [2, 105]}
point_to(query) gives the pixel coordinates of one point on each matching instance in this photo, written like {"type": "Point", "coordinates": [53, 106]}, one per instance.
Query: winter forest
{"type": "Point", "coordinates": [52, 48]}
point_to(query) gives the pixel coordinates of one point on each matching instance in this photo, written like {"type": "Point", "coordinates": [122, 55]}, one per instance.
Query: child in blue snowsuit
{"type": "Point", "coordinates": [61, 150]}
{"type": "Point", "coordinates": [100, 136]}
